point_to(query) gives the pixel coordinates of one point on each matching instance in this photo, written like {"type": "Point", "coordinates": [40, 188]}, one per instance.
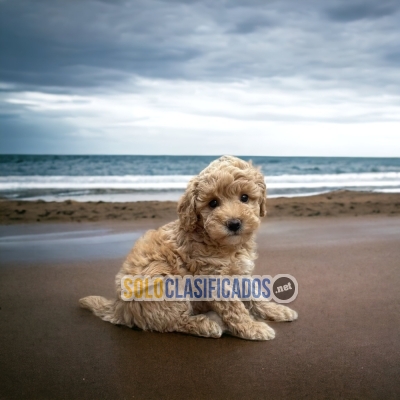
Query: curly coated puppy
{"type": "Point", "coordinates": [215, 235]}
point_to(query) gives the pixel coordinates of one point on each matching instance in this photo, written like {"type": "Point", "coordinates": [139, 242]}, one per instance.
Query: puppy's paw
{"type": "Point", "coordinates": [262, 331]}
{"type": "Point", "coordinates": [215, 331]}
{"type": "Point", "coordinates": [216, 318]}
{"type": "Point", "coordinates": [276, 312]}
{"type": "Point", "coordinates": [255, 331]}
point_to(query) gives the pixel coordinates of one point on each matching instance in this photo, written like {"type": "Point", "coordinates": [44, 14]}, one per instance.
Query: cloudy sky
{"type": "Point", "coordinates": [250, 77]}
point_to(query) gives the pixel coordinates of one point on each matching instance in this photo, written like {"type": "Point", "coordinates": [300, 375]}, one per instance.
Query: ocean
{"type": "Point", "coordinates": [134, 178]}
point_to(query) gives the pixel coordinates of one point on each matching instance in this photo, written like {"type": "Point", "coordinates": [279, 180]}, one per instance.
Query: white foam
{"type": "Point", "coordinates": [133, 182]}
{"type": "Point", "coordinates": [179, 182]}
{"type": "Point", "coordinates": [170, 187]}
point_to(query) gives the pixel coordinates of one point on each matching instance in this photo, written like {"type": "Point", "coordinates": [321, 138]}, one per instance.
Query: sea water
{"type": "Point", "coordinates": [133, 178]}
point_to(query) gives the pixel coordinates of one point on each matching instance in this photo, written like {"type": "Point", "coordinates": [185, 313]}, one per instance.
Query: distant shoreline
{"type": "Point", "coordinates": [332, 204]}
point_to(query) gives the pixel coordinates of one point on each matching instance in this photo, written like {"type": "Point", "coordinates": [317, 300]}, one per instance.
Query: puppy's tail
{"type": "Point", "coordinates": [101, 307]}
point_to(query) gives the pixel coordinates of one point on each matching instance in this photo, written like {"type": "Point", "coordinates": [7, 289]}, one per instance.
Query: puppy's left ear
{"type": "Point", "coordinates": [263, 206]}
{"type": "Point", "coordinates": [263, 199]}
{"type": "Point", "coordinates": [187, 208]}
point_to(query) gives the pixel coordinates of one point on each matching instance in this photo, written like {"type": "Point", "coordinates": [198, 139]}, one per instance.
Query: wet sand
{"type": "Point", "coordinates": [333, 204]}
{"type": "Point", "coordinates": [344, 345]}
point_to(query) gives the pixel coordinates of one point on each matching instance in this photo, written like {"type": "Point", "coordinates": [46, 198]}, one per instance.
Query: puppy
{"type": "Point", "coordinates": [215, 235]}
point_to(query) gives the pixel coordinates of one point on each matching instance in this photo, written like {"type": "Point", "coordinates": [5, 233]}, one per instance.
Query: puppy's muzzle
{"type": "Point", "coordinates": [234, 225]}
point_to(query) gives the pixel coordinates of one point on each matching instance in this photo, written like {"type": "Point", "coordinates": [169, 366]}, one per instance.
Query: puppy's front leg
{"type": "Point", "coordinates": [271, 311]}
{"type": "Point", "coordinates": [240, 323]}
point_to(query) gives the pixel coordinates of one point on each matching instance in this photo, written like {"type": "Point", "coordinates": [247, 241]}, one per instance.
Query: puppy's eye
{"type": "Point", "coordinates": [213, 203]}
{"type": "Point", "coordinates": [244, 198]}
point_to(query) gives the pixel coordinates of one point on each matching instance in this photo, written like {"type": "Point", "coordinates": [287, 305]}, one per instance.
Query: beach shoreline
{"type": "Point", "coordinates": [336, 204]}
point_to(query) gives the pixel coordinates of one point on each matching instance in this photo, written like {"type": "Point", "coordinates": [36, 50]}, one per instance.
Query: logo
{"type": "Point", "coordinates": [285, 288]}
{"type": "Point", "coordinates": [282, 288]}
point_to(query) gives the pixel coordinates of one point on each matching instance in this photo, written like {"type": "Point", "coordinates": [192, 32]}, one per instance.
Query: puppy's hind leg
{"type": "Point", "coordinates": [117, 312]}
{"type": "Point", "coordinates": [101, 307]}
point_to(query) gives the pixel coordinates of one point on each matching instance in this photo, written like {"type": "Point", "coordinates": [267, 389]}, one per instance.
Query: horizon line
{"type": "Point", "coordinates": [179, 155]}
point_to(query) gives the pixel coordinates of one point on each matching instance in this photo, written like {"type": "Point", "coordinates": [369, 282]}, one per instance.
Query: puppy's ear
{"type": "Point", "coordinates": [187, 208]}
{"type": "Point", "coordinates": [263, 199]}
{"type": "Point", "coordinates": [263, 206]}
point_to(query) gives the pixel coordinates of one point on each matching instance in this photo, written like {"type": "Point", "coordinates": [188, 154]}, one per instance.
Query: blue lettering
{"type": "Point", "coordinates": [211, 288]}
{"type": "Point", "coordinates": [199, 292]}
{"type": "Point", "coordinates": [245, 295]}
{"type": "Point", "coordinates": [236, 288]}
{"type": "Point", "coordinates": [168, 295]}
{"type": "Point", "coordinates": [178, 296]}
{"type": "Point", "coordinates": [188, 289]}
{"type": "Point", "coordinates": [257, 294]}
{"type": "Point", "coordinates": [264, 285]}
{"type": "Point", "coordinates": [225, 295]}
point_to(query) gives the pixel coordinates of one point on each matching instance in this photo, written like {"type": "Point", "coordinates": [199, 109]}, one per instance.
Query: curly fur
{"type": "Point", "coordinates": [199, 243]}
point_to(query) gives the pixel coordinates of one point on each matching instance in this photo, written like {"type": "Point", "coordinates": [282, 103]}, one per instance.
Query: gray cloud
{"type": "Point", "coordinates": [44, 43]}
{"type": "Point", "coordinates": [98, 43]}
{"type": "Point", "coordinates": [353, 11]}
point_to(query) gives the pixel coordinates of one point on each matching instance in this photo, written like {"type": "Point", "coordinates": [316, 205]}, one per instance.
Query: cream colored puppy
{"type": "Point", "coordinates": [215, 235]}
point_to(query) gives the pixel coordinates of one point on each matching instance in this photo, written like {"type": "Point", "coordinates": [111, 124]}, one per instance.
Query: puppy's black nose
{"type": "Point", "coordinates": [234, 224]}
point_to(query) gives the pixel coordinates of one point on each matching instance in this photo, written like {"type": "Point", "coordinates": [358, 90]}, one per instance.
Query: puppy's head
{"type": "Point", "coordinates": [226, 199]}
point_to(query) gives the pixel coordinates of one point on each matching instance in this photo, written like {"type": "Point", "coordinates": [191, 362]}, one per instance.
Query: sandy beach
{"type": "Point", "coordinates": [344, 344]}
{"type": "Point", "coordinates": [338, 203]}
